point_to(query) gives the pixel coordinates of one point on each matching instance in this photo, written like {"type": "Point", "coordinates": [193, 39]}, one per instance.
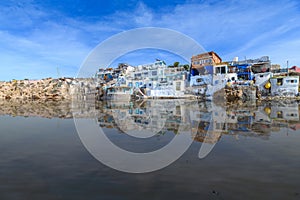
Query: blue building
{"type": "Point", "coordinates": [244, 71]}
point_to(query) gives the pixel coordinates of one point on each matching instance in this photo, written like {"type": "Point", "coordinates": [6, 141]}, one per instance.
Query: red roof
{"type": "Point", "coordinates": [295, 68]}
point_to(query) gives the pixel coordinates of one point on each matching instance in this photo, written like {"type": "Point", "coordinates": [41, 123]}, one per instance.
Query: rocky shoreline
{"type": "Point", "coordinates": [86, 89]}
{"type": "Point", "coordinates": [46, 89]}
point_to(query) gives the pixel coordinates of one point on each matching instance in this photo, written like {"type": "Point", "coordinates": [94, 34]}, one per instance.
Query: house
{"type": "Point", "coordinates": [243, 71]}
{"type": "Point", "coordinates": [294, 69]}
{"type": "Point", "coordinates": [284, 85]}
{"type": "Point", "coordinates": [248, 67]}
{"type": "Point", "coordinates": [261, 80]}
{"type": "Point", "coordinates": [275, 67]}
{"type": "Point", "coordinates": [260, 65]}
{"type": "Point", "coordinates": [202, 63]}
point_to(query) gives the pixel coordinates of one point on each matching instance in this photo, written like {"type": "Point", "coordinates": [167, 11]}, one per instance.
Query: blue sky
{"type": "Point", "coordinates": [44, 38]}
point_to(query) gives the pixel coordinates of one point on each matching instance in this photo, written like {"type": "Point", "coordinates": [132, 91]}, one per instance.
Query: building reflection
{"type": "Point", "coordinates": [205, 121]}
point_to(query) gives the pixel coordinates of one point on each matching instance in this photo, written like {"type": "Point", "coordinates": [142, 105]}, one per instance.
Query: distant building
{"type": "Point", "coordinates": [261, 65]}
{"type": "Point", "coordinates": [275, 67]}
{"type": "Point", "coordinates": [294, 69]}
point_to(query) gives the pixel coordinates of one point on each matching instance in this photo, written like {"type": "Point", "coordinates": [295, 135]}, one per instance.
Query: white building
{"type": "Point", "coordinates": [284, 85]}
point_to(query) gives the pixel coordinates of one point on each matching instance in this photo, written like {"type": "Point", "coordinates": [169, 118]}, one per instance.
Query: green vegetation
{"type": "Point", "coordinates": [176, 64]}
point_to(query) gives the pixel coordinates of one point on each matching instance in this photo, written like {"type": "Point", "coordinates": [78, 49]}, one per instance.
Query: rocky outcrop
{"type": "Point", "coordinates": [244, 93]}
{"type": "Point", "coordinates": [47, 89]}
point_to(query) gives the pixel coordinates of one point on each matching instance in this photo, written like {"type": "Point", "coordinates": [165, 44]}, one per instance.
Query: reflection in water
{"type": "Point", "coordinates": [28, 108]}
{"type": "Point", "coordinates": [44, 159]}
{"type": "Point", "coordinates": [207, 121]}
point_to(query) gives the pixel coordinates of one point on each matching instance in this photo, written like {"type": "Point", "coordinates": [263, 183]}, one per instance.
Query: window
{"type": "Point", "coordinates": [199, 80]}
{"type": "Point", "coordinates": [291, 81]}
{"type": "Point", "coordinates": [137, 75]}
{"type": "Point", "coordinates": [279, 81]}
{"type": "Point", "coordinates": [279, 114]}
{"type": "Point", "coordinates": [178, 110]}
{"type": "Point", "coordinates": [178, 85]}
{"type": "Point", "coordinates": [154, 73]}
{"type": "Point", "coordinates": [221, 70]}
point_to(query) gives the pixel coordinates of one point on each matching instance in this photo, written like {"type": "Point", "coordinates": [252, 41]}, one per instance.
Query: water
{"type": "Point", "coordinates": [255, 151]}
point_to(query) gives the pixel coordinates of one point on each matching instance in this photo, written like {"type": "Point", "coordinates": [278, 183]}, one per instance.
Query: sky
{"type": "Point", "coordinates": [51, 38]}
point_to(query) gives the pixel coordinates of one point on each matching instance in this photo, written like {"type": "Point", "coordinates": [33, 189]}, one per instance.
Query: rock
{"type": "Point", "coordinates": [57, 89]}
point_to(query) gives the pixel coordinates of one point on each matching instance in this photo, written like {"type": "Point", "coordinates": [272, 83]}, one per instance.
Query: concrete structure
{"type": "Point", "coordinates": [261, 80]}
{"type": "Point", "coordinates": [284, 85]}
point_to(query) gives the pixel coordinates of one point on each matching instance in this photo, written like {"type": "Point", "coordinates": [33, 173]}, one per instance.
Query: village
{"type": "Point", "coordinates": [206, 78]}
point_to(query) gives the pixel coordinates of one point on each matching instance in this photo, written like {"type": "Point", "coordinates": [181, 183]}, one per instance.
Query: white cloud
{"type": "Point", "coordinates": [143, 15]}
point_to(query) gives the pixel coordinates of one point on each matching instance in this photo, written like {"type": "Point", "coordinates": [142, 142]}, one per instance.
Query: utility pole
{"type": "Point", "coordinates": [287, 67]}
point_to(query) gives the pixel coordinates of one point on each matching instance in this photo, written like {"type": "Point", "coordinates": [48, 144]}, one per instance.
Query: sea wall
{"type": "Point", "coordinates": [47, 89]}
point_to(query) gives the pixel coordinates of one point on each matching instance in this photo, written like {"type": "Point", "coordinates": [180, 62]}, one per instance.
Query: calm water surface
{"type": "Point", "coordinates": [255, 154]}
